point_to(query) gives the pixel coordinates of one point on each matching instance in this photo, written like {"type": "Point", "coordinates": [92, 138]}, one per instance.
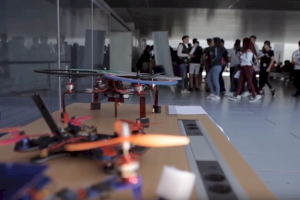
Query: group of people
{"type": "Point", "coordinates": [245, 61]}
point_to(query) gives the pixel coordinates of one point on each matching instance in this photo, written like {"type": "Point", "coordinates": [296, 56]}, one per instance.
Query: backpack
{"type": "Point", "coordinates": [217, 56]}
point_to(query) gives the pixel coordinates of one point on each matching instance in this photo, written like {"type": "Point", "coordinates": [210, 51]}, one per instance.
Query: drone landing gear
{"type": "Point", "coordinates": [96, 105]}
{"type": "Point", "coordinates": [143, 118]}
{"type": "Point", "coordinates": [156, 108]}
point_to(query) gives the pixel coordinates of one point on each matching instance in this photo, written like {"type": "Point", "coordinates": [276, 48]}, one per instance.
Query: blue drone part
{"type": "Point", "coordinates": [17, 177]}
{"type": "Point", "coordinates": [118, 78]}
{"type": "Point", "coordinates": [113, 184]}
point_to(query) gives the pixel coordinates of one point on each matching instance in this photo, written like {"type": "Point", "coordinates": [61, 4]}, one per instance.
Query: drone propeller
{"type": "Point", "coordinates": [153, 140]}
{"type": "Point", "coordinates": [10, 129]}
{"type": "Point", "coordinates": [76, 121]}
{"type": "Point", "coordinates": [18, 136]}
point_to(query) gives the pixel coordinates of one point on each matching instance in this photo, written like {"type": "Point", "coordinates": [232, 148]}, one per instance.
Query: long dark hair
{"type": "Point", "coordinates": [217, 42]}
{"type": "Point", "coordinates": [248, 45]}
{"type": "Point", "coordinates": [237, 46]}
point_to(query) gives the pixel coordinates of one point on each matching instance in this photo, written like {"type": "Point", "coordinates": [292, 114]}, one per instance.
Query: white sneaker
{"type": "Point", "coordinates": [185, 91]}
{"type": "Point", "coordinates": [256, 98]}
{"type": "Point", "coordinates": [210, 96]}
{"type": "Point", "coordinates": [233, 98]}
{"type": "Point", "coordinates": [228, 94]}
{"type": "Point", "coordinates": [215, 98]}
{"type": "Point", "coordinates": [125, 96]}
{"type": "Point", "coordinates": [245, 94]}
{"type": "Point", "coordinates": [238, 97]}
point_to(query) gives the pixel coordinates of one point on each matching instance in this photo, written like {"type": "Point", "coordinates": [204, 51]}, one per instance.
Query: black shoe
{"type": "Point", "coordinates": [295, 95]}
{"type": "Point", "coordinates": [273, 92]}
{"type": "Point", "coordinates": [261, 92]}
{"type": "Point", "coordinates": [197, 89]}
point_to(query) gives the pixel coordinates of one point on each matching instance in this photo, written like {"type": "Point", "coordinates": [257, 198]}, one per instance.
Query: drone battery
{"type": "Point", "coordinates": [156, 109]}
{"type": "Point", "coordinates": [95, 106]}
{"type": "Point", "coordinates": [144, 121]}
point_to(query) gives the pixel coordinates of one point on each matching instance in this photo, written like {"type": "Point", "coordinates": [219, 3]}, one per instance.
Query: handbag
{"type": "Point", "coordinates": [255, 64]}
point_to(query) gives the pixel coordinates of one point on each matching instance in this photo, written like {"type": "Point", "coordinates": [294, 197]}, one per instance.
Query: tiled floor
{"type": "Point", "coordinates": [266, 133]}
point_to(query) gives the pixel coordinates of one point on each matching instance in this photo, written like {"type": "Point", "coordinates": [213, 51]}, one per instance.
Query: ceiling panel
{"type": "Point", "coordinates": [292, 5]}
{"type": "Point", "coordinates": [277, 26]}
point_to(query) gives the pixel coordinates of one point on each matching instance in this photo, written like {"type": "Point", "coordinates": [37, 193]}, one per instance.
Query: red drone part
{"type": "Point", "coordinates": [138, 125]}
{"type": "Point", "coordinates": [76, 121]}
{"type": "Point", "coordinates": [70, 87]}
{"type": "Point", "coordinates": [17, 135]}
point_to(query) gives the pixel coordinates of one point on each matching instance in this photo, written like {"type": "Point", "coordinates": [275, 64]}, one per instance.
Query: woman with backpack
{"type": "Point", "coordinates": [217, 54]}
{"type": "Point", "coordinates": [246, 75]}
{"type": "Point", "coordinates": [235, 63]}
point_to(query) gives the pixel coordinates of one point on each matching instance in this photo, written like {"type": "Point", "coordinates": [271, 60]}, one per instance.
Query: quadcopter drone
{"type": "Point", "coordinates": [52, 145]}
{"type": "Point", "coordinates": [127, 177]}
{"type": "Point", "coordinates": [110, 83]}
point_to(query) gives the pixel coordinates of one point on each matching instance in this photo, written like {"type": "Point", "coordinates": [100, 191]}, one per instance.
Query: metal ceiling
{"type": "Point", "coordinates": [211, 4]}
{"type": "Point", "coordinates": [230, 24]}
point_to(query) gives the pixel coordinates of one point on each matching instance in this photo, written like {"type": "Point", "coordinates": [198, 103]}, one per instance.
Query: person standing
{"type": "Point", "coordinates": [184, 55]}
{"type": "Point", "coordinates": [266, 64]}
{"type": "Point", "coordinates": [218, 53]}
{"type": "Point", "coordinates": [247, 71]}
{"type": "Point", "coordinates": [206, 59]}
{"type": "Point", "coordinates": [195, 65]}
{"type": "Point", "coordinates": [258, 54]}
{"type": "Point", "coordinates": [235, 63]}
{"type": "Point", "coordinates": [296, 73]}
{"type": "Point", "coordinates": [224, 63]}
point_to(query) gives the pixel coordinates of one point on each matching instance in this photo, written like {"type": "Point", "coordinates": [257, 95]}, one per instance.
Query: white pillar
{"type": "Point", "coordinates": [162, 51]}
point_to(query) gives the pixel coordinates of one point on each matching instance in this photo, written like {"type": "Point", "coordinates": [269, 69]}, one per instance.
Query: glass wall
{"type": "Point", "coordinates": [84, 37]}
{"type": "Point", "coordinates": [29, 41]}
{"type": "Point", "coordinates": [27, 29]}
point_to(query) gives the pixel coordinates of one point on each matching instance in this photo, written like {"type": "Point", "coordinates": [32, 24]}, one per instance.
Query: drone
{"type": "Point", "coordinates": [127, 177]}
{"type": "Point", "coordinates": [110, 83]}
{"type": "Point", "coordinates": [52, 145]}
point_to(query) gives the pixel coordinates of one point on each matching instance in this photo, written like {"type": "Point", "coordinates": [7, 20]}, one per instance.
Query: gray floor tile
{"type": "Point", "coordinates": [273, 162]}
{"type": "Point", "coordinates": [284, 185]}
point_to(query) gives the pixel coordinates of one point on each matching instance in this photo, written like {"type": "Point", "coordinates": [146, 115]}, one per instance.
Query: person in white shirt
{"type": "Point", "coordinates": [235, 63]}
{"type": "Point", "coordinates": [296, 62]}
{"type": "Point", "coordinates": [247, 71]}
{"type": "Point", "coordinates": [184, 54]}
{"type": "Point", "coordinates": [257, 51]}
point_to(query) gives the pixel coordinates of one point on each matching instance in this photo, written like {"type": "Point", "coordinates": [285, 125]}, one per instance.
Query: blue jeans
{"type": "Point", "coordinates": [183, 72]}
{"type": "Point", "coordinates": [212, 79]}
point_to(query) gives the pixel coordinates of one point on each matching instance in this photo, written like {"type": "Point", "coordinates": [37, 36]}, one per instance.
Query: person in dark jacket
{"type": "Point", "coordinates": [224, 63]}
{"type": "Point", "coordinates": [218, 54]}
{"type": "Point", "coordinates": [145, 58]}
{"type": "Point", "coordinates": [195, 64]}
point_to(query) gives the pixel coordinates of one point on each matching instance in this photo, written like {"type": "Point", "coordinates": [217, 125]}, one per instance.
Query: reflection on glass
{"type": "Point", "coordinates": [26, 30]}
